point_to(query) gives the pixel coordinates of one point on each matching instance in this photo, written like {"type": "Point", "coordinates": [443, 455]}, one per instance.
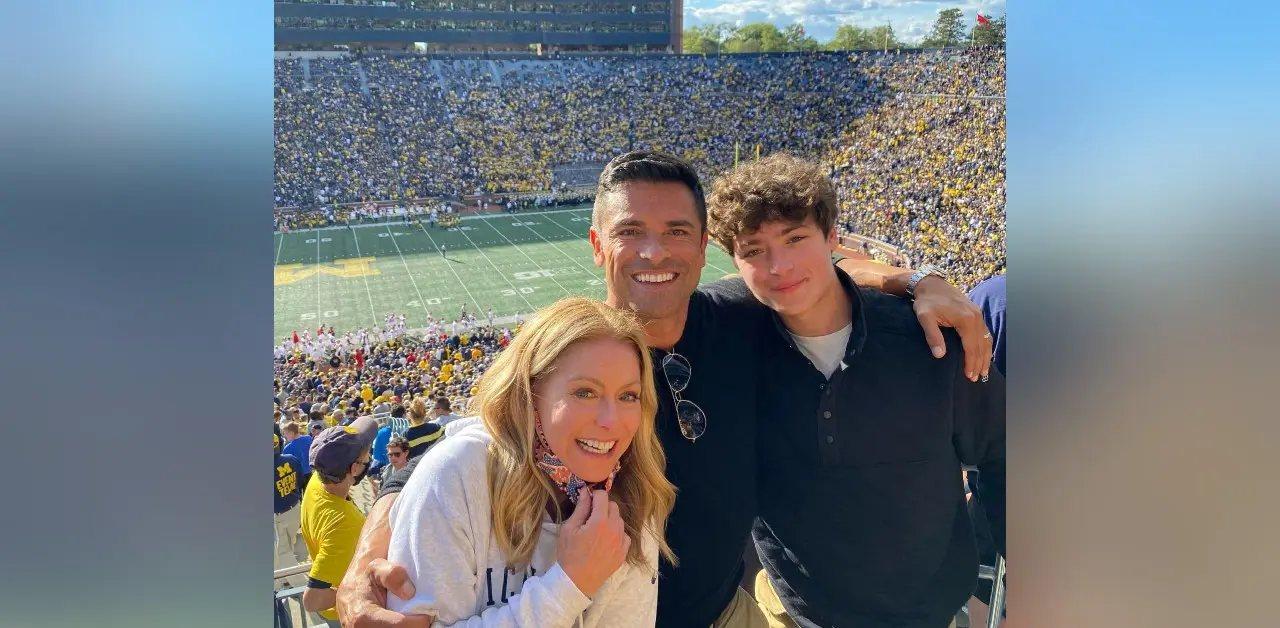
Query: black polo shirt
{"type": "Point", "coordinates": [715, 476]}
{"type": "Point", "coordinates": [862, 510]}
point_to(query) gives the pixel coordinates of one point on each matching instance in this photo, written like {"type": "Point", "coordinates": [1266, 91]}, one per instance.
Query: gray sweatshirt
{"type": "Point", "coordinates": [442, 532]}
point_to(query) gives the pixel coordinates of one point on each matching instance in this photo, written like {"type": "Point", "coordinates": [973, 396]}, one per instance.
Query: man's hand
{"type": "Point", "coordinates": [939, 304]}
{"type": "Point", "coordinates": [362, 597]}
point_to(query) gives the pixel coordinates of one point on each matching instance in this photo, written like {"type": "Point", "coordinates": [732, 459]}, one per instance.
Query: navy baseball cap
{"type": "Point", "coordinates": [335, 449]}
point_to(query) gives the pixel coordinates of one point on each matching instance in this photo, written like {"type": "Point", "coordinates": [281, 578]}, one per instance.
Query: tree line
{"type": "Point", "coordinates": [948, 31]}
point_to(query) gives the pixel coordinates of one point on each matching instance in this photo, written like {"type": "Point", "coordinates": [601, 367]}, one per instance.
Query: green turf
{"type": "Point", "coordinates": [514, 263]}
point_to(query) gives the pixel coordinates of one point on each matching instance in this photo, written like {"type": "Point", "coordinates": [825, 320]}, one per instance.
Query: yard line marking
{"type": "Point", "coordinates": [318, 310]}
{"type": "Point", "coordinates": [373, 317]}
{"type": "Point", "coordinates": [553, 221]}
{"type": "Point", "coordinates": [526, 255]}
{"type": "Point", "coordinates": [495, 269]}
{"type": "Point", "coordinates": [406, 269]}
{"type": "Point", "coordinates": [556, 247]}
{"type": "Point", "coordinates": [449, 264]}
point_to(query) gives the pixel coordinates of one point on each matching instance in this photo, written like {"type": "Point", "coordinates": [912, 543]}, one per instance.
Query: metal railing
{"type": "Point", "coordinates": [287, 610]}
{"type": "Point", "coordinates": [995, 574]}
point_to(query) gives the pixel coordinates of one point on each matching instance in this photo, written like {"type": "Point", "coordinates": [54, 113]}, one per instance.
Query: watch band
{"type": "Point", "coordinates": [920, 274]}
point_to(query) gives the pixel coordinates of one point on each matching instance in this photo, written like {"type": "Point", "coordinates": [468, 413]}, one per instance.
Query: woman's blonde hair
{"type": "Point", "coordinates": [504, 400]}
{"type": "Point", "coordinates": [418, 410]}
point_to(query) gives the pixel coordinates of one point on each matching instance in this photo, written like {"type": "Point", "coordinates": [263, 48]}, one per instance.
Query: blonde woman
{"type": "Point", "coordinates": [422, 434]}
{"type": "Point", "coordinates": [551, 510]}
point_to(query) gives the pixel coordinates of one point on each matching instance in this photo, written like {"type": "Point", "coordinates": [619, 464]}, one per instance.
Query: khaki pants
{"type": "Point", "coordinates": [290, 550]}
{"type": "Point", "coordinates": [771, 605]}
{"type": "Point", "coordinates": [742, 612]}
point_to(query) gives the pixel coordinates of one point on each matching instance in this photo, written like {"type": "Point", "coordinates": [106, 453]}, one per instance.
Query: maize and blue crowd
{"type": "Point", "coordinates": [914, 140]}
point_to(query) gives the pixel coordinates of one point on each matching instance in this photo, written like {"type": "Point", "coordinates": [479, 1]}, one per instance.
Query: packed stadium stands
{"type": "Point", "coordinates": [330, 372]}
{"type": "Point", "coordinates": [914, 140]}
{"type": "Point", "coordinates": [925, 170]}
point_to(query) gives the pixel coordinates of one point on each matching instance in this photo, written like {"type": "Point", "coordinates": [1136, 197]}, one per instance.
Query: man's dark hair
{"type": "Point", "coordinates": [397, 410]}
{"type": "Point", "coordinates": [653, 167]}
{"type": "Point", "coordinates": [316, 415]}
{"type": "Point", "coordinates": [442, 403]}
{"type": "Point", "coordinates": [399, 440]}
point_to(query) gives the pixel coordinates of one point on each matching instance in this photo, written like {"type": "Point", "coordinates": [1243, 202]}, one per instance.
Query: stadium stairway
{"type": "Point", "coordinates": [435, 69]}
{"type": "Point", "coordinates": [364, 81]}
{"type": "Point", "coordinates": [306, 74]}
{"type": "Point", "coordinates": [494, 72]}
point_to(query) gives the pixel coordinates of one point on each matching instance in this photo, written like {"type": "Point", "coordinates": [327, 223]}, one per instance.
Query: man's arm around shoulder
{"type": "Point", "coordinates": [362, 598]}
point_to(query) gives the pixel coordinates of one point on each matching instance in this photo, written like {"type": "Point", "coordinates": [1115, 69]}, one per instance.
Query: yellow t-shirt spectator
{"type": "Point", "coordinates": [331, 527]}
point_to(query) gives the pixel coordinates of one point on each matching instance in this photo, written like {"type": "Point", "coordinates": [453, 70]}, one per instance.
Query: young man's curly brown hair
{"type": "Point", "coordinates": [778, 187]}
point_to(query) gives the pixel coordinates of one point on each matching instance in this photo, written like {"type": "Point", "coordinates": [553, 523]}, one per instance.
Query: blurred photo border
{"type": "Point", "coordinates": [1144, 285]}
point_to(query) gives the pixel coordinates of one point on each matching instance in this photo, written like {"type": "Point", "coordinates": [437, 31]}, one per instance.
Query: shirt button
{"type": "Point", "coordinates": [826, 414]}
{"type": "Point", "coordinates": [831, 439]}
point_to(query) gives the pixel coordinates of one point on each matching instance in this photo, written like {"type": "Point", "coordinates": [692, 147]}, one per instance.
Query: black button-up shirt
{"type": "Point", "coordinates": [862, 510]}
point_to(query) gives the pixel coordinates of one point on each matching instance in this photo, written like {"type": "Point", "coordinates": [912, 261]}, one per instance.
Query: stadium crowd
{"type": "Point", "coordinates": [914, 141]}
{"type": "Point", "coordinates": [925, 170]}
{"type": "Point", "coordinates": [382, 379]}
{"type": "Point", "coordinates": [329, 146]}
{"type": "Point", "coordinates": [509, 122]}
{"type": "Point", "coordinates": [329, 377]}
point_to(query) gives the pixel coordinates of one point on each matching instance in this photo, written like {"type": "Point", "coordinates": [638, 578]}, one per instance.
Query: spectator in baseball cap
{"type": "Point", "coordinates": [331, 523]}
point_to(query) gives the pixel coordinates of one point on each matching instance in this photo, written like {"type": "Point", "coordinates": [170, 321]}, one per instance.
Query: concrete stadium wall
{"type": "Point", "coordinates": [311, 54]}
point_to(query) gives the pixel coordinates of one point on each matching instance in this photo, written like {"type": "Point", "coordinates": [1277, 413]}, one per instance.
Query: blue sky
{"type": "Point", "coordinates": [911, 19]}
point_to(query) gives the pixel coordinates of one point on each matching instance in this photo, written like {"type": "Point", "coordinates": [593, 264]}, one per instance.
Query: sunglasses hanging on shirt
{"type": "Point", "coordinates": [678, 372]}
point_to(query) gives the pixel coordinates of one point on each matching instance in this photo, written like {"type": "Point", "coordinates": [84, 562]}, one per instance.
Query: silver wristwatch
{"type": "Point", "coordinates": [921, 273]}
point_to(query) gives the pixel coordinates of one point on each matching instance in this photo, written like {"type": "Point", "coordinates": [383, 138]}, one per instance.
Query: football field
{"type": "Point", "coordinates": [514, 263]}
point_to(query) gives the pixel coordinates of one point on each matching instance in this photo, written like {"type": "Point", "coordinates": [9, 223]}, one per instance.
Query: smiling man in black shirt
{"type": "Point", "coordinates": [856, 423]}
{"type": "Point", "coordinates": [649, 234]}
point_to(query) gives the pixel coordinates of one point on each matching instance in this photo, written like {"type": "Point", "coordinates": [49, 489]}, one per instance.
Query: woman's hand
{"type": "Point", "coordinates": [593, 542]}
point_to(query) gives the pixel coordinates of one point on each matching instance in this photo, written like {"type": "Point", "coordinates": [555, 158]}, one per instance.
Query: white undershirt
{"type": "Point", "coordinates": [825, 352]}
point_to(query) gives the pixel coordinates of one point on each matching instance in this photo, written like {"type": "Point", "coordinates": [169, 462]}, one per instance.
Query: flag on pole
{"type": "Point", "coordinates": [983, 20]}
